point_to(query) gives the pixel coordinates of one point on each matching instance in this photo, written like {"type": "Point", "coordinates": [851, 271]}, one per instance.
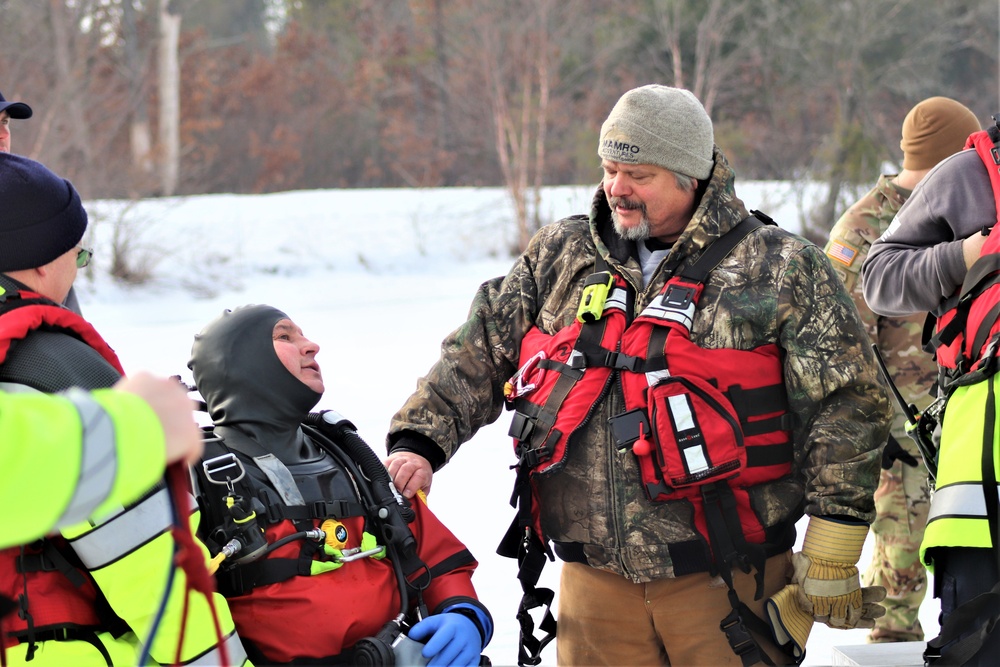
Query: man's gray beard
{"type": "Point", "coordinates": [638, 233]}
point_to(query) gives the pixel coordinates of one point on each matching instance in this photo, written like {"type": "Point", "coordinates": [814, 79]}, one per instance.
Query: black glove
{"type": "Point", "coordinates": [893, 451]}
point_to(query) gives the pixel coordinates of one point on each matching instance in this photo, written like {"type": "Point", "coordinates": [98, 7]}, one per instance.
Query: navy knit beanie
{"type": "Point", "coordinates": [41, 215]}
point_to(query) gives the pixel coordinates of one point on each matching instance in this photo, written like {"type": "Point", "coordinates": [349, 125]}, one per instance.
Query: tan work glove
{"type": "Point", "coordinates": [826, 570]}
{"type": "Point", "coordinates": [789, 623]}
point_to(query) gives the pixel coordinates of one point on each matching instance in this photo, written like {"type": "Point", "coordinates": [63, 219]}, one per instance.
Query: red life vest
{"type": "Point", "coordinates": [52, 592]}
{"type": "Point", "coordinates": [698, 420]}
{"type": "Point", "coordinates": [966, 336]}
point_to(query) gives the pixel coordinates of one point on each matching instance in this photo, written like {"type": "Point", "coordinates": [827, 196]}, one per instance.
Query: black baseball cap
{"type": "Point", "coordinates": [15, 109]}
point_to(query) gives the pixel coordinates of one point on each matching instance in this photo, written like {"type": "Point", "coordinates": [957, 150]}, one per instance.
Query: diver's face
{"type": "Point", "coordinates": [298, 354]}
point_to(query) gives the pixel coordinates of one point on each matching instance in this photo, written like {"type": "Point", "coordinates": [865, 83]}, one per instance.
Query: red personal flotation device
{"type": "Point", "coordinates": [705, 425]}
{"type": "Point", "coordinates": [54, 597]}
{"type": "Point", "coordinates": [966, 337]}
{"type": "Point", "coordinates": [23, 311]}
{"type": "Point", "coordinates": [693, 415]}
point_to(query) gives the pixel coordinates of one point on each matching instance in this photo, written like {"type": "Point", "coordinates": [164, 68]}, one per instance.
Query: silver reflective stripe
{"type": "Point", "coordinates": [237, 654]}
{"type": "Point", "coordinates": [18, 388]}
{"type": "Point", "coordinates": [281, 478]}
{"type": "Point", "coordinates": [98, 458]}
{"type": "Point", "coordinates": [959, 500]}
{"type": "Point", "coordinates": [616, 300]}
{"type": "Point", "coordinates": [124, 532]}
{"type": "Point", "coordinates": [683, 316]}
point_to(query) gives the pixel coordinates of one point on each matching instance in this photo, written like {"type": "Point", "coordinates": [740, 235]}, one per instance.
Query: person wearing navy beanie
{"type": "Point", "coordinates": [41, 215]}
{"type": "Point", "coordinates": [91, 609]}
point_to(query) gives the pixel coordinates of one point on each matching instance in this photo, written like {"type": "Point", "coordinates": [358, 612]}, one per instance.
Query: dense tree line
{"type": "Point", "coordinates": [290, 94]}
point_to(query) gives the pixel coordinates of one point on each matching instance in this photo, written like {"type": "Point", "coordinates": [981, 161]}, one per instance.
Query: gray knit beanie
{"type": "Point", "coordinates": [659, 125]}
{"type": "Point", "coordinates": [41, 216]}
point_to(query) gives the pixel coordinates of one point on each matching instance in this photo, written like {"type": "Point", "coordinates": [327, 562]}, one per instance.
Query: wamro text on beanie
{"type": "Point", "coordinates": [41, 215]}
{"type": "Point", "coordinates": [659, 125]}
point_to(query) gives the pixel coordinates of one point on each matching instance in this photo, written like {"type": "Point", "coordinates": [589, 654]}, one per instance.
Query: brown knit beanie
{"type": "Point", "coordinates": [935, 129]}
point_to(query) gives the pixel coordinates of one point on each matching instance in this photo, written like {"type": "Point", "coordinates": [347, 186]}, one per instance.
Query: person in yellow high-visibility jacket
{"type": "Point", "coordinates": [92, 594]}
{"type": "Point", "coordinates": [124, 436]}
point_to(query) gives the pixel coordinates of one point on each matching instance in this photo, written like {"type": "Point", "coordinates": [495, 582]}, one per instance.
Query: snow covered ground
{"type": "Point", "coordinates": [377, 278]}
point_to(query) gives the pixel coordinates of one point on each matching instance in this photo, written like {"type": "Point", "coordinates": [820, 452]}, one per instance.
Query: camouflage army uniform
{"type": "Point", "coordinates": [901, 501]}
{"type": "Point", "coordinates": [775, 288]}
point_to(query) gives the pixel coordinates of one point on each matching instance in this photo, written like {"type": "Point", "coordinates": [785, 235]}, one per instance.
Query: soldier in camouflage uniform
{"type": "Point", "coordinates": [629, 592]}
{"type": "Point", "coordinates": [932, 130]}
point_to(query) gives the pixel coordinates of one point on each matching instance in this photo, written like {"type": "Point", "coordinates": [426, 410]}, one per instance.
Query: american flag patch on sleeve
{"type": "Point", "coordinates": [841, 252]}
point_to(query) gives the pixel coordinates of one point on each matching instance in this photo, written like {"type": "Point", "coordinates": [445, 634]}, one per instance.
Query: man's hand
{"type": "Point", "coordinates": [893, 451]}
{"type": "Point", "coordinates": [972, 247]}
{"type": "Point", "coordinates": [827, 575]}
{"type": "Point", "coordinates": [175, 411]}
{"type": "Point", "coordinates": [410, 472]}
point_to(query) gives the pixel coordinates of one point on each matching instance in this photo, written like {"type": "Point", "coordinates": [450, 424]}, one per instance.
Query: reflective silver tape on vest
{"type": "Point", "coordinates": [656, 309]}
{"type": "Point", "coordinates": [234, 648]}
{"type": "Point", "coordinates": [616, 300]}
{"type": "Point", "coordinates": [682, 416]}
{"type": "Point", "coordinates": [959, 500]}
{"type": "Point", "coordinates": [98, 458]}
{"type": "Point", "coordinates": [125, 532]}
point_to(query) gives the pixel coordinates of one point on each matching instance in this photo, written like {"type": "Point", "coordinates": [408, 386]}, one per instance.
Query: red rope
{"type": "Point", "coordinates": [190, 558]}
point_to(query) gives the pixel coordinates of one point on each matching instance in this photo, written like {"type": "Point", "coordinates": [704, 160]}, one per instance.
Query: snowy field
{"type": "Point", "coordinates": [377, 278]}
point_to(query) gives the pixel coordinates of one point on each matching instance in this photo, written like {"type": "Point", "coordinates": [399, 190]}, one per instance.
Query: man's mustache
{"type": "Point", "coordinates": [627, 204]}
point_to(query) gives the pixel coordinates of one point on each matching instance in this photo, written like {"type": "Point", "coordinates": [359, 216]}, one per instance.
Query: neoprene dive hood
{"type": "Point", "coordinates": [246, 387]}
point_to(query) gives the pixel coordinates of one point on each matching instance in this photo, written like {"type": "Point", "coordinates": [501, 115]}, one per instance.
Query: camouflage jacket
{"type": "Point", "coordinates": [774, 288]}
{"type": "Point", "coordinates": [898, 338]}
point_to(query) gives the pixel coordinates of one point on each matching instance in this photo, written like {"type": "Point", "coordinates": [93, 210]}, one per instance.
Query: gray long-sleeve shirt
{"type": "Point", "coordinates": [917, 265]}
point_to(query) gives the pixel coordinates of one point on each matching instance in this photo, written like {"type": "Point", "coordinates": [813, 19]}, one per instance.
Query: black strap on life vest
{"type": "Point", "coordinates": [521, 543]}
{"type": "Point", "coordinates": [49, 557]}
{"type": "Point", "coordinates": [530, 550]}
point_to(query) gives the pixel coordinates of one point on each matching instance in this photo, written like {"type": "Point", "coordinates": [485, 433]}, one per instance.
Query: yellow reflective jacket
{"type": "Point", "coordinates": [97, 450]}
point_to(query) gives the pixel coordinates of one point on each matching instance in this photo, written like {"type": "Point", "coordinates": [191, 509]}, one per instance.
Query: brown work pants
{"type": "Point", "coordinates": [606, 619]}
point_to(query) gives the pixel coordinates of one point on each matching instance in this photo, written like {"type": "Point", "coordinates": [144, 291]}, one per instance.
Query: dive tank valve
{"type": "Point", "coordinates": [390, 646]}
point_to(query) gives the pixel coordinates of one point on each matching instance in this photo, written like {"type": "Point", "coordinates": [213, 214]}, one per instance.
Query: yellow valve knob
{"type": "Point", "coordinates": [336, 533]}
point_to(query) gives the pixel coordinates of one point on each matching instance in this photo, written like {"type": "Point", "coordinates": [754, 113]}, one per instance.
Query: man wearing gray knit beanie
{"type": "Point", "coordinates": [687, 379]}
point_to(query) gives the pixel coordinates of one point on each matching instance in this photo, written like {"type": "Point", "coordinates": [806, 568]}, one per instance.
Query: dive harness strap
{"type": "Point", "coordinates": [524, 545]}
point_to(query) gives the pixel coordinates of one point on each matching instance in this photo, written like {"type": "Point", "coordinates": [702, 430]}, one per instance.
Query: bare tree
{"type": "Point", "coordinates": [169, 88]}
{"type": "Point", "coordinates": [140, 137]}
{"type": "Point", "coordinates": [707, 65]}
{"type": "Point", "coordinates": [515, 56]}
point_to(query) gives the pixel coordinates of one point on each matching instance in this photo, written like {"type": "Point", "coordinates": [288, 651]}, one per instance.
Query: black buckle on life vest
{"type": "Point", "coordinates": [337, 509]}
{"type": "Point", "coordinates": [528, 458]}
{"type": "Point", "coordinates": [521, 427]}
{"type": "Point", "coordinates": [677, 297]}
{"type": "Point", "coordinates": [622, 362]}
{"type": "Point", "coordinates": [738, 635]}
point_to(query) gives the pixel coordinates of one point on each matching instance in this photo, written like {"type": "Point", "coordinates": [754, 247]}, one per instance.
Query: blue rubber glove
{"type": "Point", "coordinates": [450, 640]}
